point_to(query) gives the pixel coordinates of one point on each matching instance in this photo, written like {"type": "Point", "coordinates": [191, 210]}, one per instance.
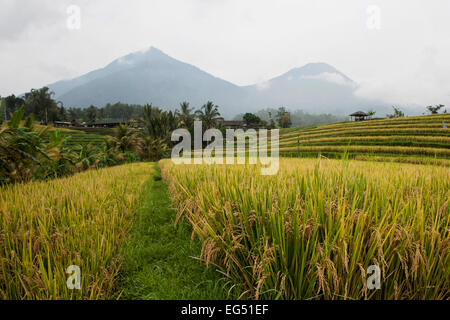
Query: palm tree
{"type": "Point", "coordinates": [158, 126]}
{"type": "Point", "coordinates": [185, 117]}
{"type": "Point", "coordinates": [158, 123]}
{"type": "Point", "coordinates": [154, 149]}
{"type": "Point", "coordinates": [208, 114]}
{"type": "Point", "coordinates": [127, 139]}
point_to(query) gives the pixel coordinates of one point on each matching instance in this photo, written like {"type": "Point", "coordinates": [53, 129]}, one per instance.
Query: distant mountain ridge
{"type": "Point", "coordinates": [152, 76]}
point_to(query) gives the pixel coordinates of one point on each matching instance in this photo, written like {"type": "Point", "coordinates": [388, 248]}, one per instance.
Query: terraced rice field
{"type": "Point", "coordinates": [97, 131]}
{"type": "Point", "coordinates": [80, 138]}
{"type": "Point", "coordinates": [422, 136]}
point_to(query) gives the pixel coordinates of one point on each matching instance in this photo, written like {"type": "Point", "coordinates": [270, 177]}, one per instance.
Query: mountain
{"type": "Point", "coordinates": [153, 76]}
{"type": "Point", "coordinates": [145, 77]}
{"type": "Point", "coordinates": [315, 87]}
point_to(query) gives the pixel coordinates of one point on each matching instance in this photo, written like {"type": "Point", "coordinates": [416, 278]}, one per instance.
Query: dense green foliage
{"type": "Point", "coordinates": [30, 152]}
{"type": "Point", "coordinates": [251, 119]}
{"type": "Point", "coordinates": [37, 102]}
{"type": "Point", "coordinates": [118, 110]}
{"type": "Point", "coordinates": [271, 117]}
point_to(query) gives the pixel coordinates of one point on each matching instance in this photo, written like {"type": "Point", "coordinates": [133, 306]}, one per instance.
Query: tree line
{"type": "Point", "coordinates": [281, 117]}
{"type": "Point", "coordinates": [29, 152]}
{"type": "Point", "coordinates": [37, 102]}
{"type": "Point", "coordinates": [399, 113]}
{"type": "Point", "coordinates": [45, 109]}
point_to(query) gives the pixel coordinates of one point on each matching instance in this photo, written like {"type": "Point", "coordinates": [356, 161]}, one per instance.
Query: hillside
{"type": "Point", "coordinates": [151, 76]}
{"type": "Point", "coordinates": [81, 135]}
{"type": "Point", "coordinates": [410, 138]}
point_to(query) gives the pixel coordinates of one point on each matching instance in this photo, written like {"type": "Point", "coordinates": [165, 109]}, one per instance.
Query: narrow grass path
{"type": "Point", "coordinates": [157, 259]}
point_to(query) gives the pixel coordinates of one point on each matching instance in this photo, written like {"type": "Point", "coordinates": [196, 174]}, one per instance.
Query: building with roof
{"type": "Point", "coordinates": [359, 116]}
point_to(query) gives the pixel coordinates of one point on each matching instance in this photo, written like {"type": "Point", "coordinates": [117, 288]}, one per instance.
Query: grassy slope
{"type": "Point", "coordinates": [84, 138]}
{"type": "Point", "coordinates": [99, 131]}
{"type": "Point", "coordinates": [158, 261]}
{"type": "Point", "coordinates": [81, 136]}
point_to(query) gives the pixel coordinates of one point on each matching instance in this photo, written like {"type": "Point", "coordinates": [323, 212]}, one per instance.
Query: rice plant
{"type": "Point", "coordinates": [313, 230]}
{"type": "Point", "coordinates": [82, 220]}
{"type": "Point", "coordinates": [373, 149]}
{"type": "Point", "coordinates": [366, 132]}
{"type": "Point", "coordinates": [426, 139]}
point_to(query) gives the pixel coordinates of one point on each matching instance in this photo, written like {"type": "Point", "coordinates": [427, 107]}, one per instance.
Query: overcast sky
{"type": "Point", "coordinates": [402, 57]}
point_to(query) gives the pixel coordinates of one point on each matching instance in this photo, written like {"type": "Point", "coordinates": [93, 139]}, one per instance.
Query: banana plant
{"type": "Point", "coordinates": [21, 149]}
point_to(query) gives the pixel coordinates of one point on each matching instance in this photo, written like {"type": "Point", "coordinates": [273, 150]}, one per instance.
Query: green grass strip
{"type": "Point", "coordinates": [158, 261]}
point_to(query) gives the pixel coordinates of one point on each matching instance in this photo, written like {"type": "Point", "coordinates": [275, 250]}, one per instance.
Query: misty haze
{"type": "Point", "coordinates": [219, 156]}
